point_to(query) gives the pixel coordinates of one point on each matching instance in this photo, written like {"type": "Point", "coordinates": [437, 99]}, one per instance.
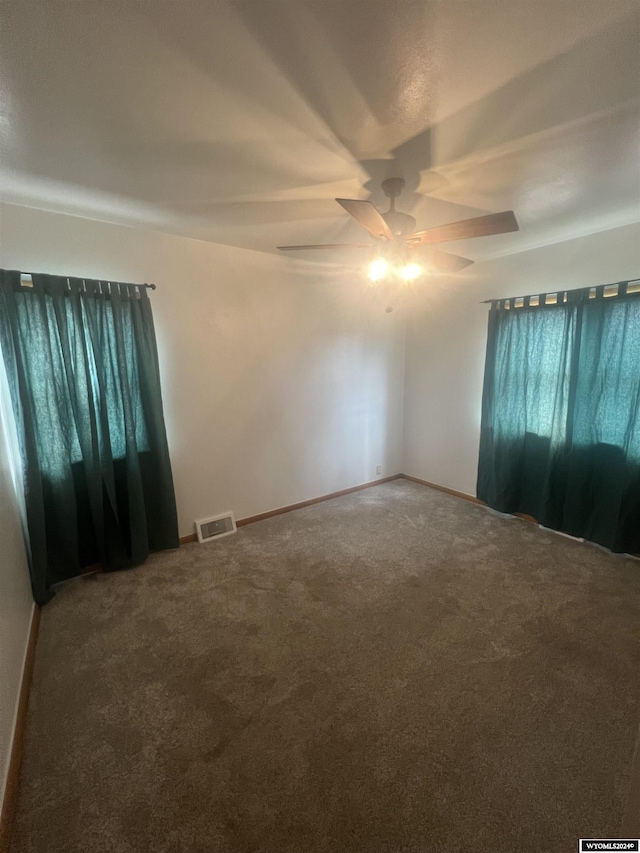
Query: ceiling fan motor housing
{"type": "Point", "coordinates": [399, 223]}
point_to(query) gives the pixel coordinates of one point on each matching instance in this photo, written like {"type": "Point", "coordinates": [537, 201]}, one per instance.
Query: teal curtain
{"type": "Point", "coordinates": [82, 366]}
{"type": "Point", "coordinates": [560, 435]}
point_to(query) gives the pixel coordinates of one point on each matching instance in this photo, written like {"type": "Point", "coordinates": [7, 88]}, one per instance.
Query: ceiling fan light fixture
{"type": "Point", "coordinates": [410, 272]}
{"type": "Point", "coordinates": [377, 269]}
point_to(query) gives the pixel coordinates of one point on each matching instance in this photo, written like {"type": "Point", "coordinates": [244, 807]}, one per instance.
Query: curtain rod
{"type": "Point", "coordinates": [29, 275]}
{"type": "Point", "coordinates": [556, 292]}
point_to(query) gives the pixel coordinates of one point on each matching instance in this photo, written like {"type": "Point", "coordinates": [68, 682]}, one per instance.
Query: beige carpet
{"type": "Point", "coordinates": [394, 671]}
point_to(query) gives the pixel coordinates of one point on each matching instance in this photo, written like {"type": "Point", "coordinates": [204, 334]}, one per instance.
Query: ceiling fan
{"type": "Point", "coordinates": [394, 233]}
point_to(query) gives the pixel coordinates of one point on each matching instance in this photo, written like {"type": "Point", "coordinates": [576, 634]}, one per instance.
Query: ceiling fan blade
{"type": "Point", "coordinates": [368, 216]}
{"type": "Point", "coordinates": [442, 261]}
{"type": "Point", "coordinates": [327, 246]}
{"type": "Point", "coordinates": [480, 226]}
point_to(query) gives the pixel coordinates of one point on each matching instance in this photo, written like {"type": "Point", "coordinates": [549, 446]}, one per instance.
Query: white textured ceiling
{"type": "Point", "coordinates": [240, 122]}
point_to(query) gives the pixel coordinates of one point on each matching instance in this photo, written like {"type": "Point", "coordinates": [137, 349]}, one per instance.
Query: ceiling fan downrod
{"type": "Point", "coordinates": [400, 224]}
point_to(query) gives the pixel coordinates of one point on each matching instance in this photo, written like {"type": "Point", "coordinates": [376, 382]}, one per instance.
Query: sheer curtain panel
{"type": "Point", "coordinates": [82, 369]}
{"type": "Point", "coordinates": [560, 435]}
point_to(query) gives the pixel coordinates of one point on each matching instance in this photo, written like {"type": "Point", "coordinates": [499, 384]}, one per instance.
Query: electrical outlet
{"type": "Point", "coordinates": [378, 469]}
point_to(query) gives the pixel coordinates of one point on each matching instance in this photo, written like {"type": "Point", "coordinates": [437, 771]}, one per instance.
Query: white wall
{"type": "Point", "coordinates": [446, 341]}
{"type": "Point", "coordinates": [280, 382]}
{"type": "Point", "coordinates": [15, 597]}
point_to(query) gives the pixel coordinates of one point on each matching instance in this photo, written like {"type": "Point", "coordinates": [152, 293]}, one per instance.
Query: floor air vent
{"type": "Point", "coordinates": [215, 527]}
